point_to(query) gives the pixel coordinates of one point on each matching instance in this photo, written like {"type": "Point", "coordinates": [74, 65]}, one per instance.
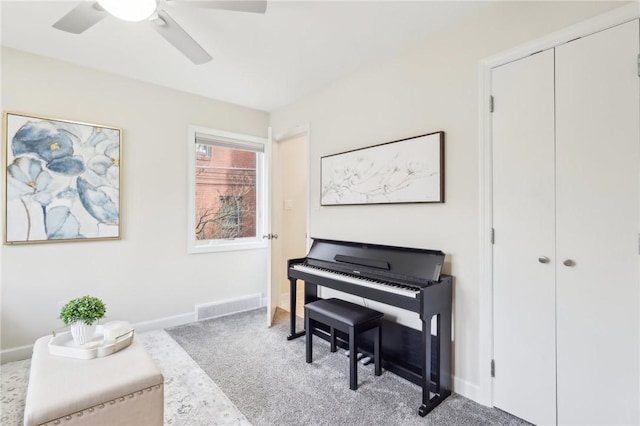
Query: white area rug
{"type": "Point", "coordinates": [191, 398]}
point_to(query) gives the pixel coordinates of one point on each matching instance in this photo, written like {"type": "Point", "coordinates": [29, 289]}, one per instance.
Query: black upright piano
{"type": "Point", "coordinates": [407, 278]}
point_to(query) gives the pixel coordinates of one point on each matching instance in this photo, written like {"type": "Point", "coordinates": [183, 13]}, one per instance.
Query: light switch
{"type": "Point", "coordinates": [288, 204]}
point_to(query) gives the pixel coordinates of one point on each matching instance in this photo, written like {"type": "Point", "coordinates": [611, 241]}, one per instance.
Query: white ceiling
{"type": "Point", "coordinates": [262, 61]}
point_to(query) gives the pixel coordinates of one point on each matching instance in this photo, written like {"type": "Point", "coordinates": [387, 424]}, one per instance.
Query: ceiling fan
{"type": "Point", "coordinates": [88, 13]}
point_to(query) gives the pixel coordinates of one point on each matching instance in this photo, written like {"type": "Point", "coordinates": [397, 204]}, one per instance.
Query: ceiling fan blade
{"type": "Point", "coordinates": [82, 17]}
{"type": "Point", "coordinates": [178, 37]}
{"type": "Point", "coordinates": [253, 6]}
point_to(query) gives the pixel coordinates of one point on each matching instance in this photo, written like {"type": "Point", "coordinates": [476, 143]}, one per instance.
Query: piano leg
{"type": "Point", "coordinates": [440, 387]}
{"type": "Point", "coordinates": [426, 367]}
{"type": "Point", "coordinates": [292, 311]}
{"type": "Point", "coordinates": [441, 297]}
{"type": "Point", "coordinates": [446, 368]}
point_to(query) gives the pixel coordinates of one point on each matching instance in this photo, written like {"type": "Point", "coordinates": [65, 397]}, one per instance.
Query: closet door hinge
{"type": "Point", "coordinates": [491, 101]}
{"type": "Point", "coordinates": [493, 368]}
{"type": "Point", "coordinates": [638, 64]}
{"type": "Point", "coordinates": [493, 236]}
{"type": "Point", "coordinates": [638, 243]}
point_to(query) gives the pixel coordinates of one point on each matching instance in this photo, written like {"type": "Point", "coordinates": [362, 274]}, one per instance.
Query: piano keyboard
{"type": "Point", "coordinates": [378, 285]}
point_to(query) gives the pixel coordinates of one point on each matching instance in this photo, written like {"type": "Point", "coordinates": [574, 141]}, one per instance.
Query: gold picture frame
{"type": "Point", "coordinates": [61, 180]}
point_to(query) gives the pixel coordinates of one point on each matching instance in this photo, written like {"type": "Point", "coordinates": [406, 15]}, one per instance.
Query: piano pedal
{"type": "Point", "coordinates": [359, 356]}
{"type": "Point", "coordinates": [366, 360]}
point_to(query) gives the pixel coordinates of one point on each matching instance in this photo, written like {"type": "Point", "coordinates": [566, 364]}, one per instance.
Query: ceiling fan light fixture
{"type": "Point", "coordinates": [129, 10]}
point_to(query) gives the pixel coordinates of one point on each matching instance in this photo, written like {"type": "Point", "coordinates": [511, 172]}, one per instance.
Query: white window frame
{"type": "Point", "coordinates": [195, 246]}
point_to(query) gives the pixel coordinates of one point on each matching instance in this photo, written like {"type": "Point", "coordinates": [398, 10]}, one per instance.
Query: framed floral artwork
{"type": "Point", "coordinates": [404, 171]}
{"type": "Point", "coordinates": [62, 180]}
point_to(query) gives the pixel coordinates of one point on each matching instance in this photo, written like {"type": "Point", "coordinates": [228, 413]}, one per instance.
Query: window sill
{"type": "Point", "coordinates": [221, 246]}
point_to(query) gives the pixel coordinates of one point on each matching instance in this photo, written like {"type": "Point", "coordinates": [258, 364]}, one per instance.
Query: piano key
{"type": "Point", "coordinates": [378, 285]}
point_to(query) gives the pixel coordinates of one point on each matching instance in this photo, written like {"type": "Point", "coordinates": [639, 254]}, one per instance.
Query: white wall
{"type": "Point", "coordinates": [429, 87]}
{"type": "Point", "coordinates": [147, 275]}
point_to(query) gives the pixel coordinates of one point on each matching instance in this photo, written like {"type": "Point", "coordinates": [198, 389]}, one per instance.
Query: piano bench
{"type": "Point", "coordinates": [348, 318]}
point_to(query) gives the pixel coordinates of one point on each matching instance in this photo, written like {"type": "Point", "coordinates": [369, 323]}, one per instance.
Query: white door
{"type": "Point", "coordinates": [524, 218]}
{"type": "Point", "coordinates": [587, 320]}
{"type": "Point", "coordinates": [270, 153]}
{"type": "Point", "coordinates": [598, 164]}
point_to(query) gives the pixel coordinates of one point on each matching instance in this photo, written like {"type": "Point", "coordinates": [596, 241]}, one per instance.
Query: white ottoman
{"type": "Point", "coordinates": [125, 388]}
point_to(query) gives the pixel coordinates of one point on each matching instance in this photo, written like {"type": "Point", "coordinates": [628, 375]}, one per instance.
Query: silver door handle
{"type": "Point", "coordinates": [569, 263]}
{"type": "Point", "coordinates": [543, 259]}
{"type": "Point", "coordinates": [270, 236]}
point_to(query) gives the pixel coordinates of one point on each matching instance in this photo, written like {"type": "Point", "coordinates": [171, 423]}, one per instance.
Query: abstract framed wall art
{"type": "Point", "coordinates": [404, 171]}
{"type": "Point", "coordinates": [62, 180]}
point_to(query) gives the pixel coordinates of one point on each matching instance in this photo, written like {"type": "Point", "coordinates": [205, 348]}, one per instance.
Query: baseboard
{"type": "Point", "coordinates": [24, 352]}
{"type": "Point", "coordinates": [16, 354]}
{"type": "Point", "coordinates": [284, 301]}
{"type": "Point", "coordinates": [226, 307]}
{"type": "Point", "coordinates": [165, 322]}
{"type": "Point", "coordinates": [466, 389]}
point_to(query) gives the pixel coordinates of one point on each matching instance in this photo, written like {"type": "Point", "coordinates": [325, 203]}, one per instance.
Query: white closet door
{"type": "Point", "coordinates": [523, 216]}
{"type": "Point", "coordinates": [598, 162]}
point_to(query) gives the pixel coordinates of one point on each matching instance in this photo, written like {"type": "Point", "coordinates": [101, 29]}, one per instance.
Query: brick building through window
{"type": "Point", "coordinates": [225, 192]}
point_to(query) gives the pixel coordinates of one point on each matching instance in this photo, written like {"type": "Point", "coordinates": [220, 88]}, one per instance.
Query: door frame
{"type": "Point", "coordinates": [299, 130]}
{"type": "Point", "coordinates": [601, 22]}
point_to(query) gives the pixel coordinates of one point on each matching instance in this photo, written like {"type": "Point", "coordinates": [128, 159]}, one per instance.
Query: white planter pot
{"type": "Point", "coordinates": [82, 333]}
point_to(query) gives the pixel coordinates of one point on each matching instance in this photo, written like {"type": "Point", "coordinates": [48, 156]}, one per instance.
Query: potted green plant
{"type": "Point", "coordinates": [81, 314]}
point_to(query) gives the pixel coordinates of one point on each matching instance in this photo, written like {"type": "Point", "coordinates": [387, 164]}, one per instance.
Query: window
{"type": "Point", "coordinates": [226, 184]}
